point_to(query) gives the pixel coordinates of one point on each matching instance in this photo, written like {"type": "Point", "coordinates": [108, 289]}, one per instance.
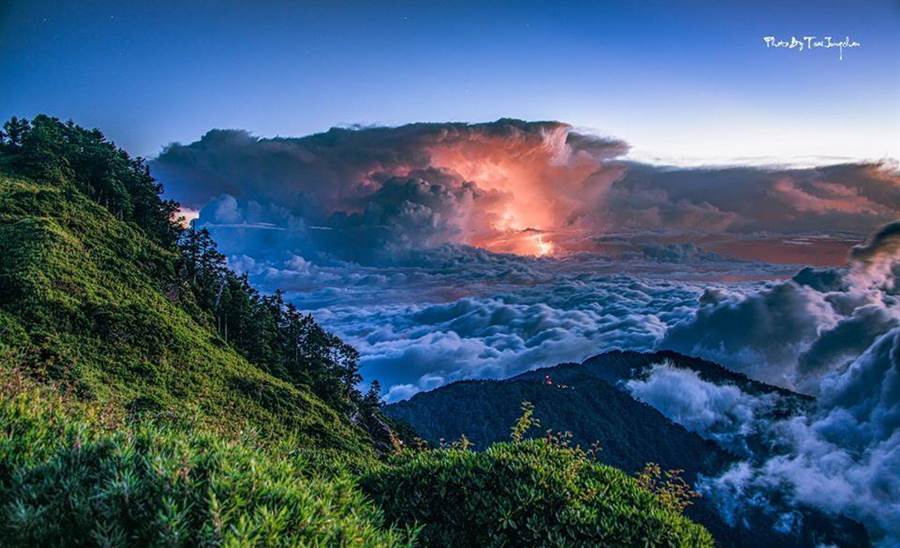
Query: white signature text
{"type": "Point", "coordinates": [809, 43]}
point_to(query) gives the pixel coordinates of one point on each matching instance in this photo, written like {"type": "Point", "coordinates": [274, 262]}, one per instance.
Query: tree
{"type": "Point", "coordinates": [372, 399]}
{"type": "Point", "coordinates": [265, 329]}
{"type": "Point", "coordinates": [65, 153]}
{"type": "Point", "coordinates": [14, 130]}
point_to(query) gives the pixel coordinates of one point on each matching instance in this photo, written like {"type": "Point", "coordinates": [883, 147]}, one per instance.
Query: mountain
{"type": "Point", "coordinates": [150, 396]}
{"type": "Point", "coordinates": [577, 401]}
{"type": "Point", "coordinates": [588, 401]}
{"type": "Point", "coordinates": [618, 366]}
{"type": "Point", "coordinates": [85, 305]}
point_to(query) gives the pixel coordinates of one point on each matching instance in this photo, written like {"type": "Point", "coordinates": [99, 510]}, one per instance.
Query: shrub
{"type": "Point", "coordinates": [528, 493]}
{"type": "Point", "coordinates": [524, 423]}
{"type": "Point", "coordinates": [671, 489]}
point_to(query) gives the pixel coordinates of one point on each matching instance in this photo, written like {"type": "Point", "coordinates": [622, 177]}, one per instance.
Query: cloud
{"type": "Point", "coordinates": [841, 459]}
{"type": "Point", "coordinates": [793, 333]}
{"type": "Point", "coordinates": [408, 346]}
{"type": "Point", "coordinates": [833, 334]}
{"type": "Point", "coordinates": [721, 412]}
{"type": "Point", "coordinates": [456, 312]}
{"type": "Point", "coordinates": [530, 188]}
{"type": "Point", "coordinates": [745, 200]}
{"type": "Point", "coordinates": [677, 253]}
{"type": "Point", "coordinates": [498, 185]}
{"type": "Point", "coordinates": [760, 334]}
{"type": "Point", "coordinates": [877, 262]}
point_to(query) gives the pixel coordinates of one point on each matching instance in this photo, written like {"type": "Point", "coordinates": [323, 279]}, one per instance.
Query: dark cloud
{"type": "Point", "coordinates": [836, 347]}
{"type": "Point", "coordinates": [884, 243]}
{"type": "Point", "coordinates": [877, 262]}
{"type": "Point", "coordinates": [746, 200]}
{"type": "Point", "coordinates": [509, 186]}
{"type": "Point", "coordinates": [823, 280]}
{"type": "Point", "coordinates": [760, 334]}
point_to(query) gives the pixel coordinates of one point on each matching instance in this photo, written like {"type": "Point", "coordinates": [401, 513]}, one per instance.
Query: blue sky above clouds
{"type": "Point", "coordinates": [684, 82]}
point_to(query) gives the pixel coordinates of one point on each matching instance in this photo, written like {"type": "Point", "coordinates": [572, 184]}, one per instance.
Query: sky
{"type": "Point", "coordinates": [682, 82]}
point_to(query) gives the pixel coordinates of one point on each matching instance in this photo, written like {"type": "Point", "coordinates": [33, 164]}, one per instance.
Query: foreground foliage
{"type": "Point", "coordinates": [71, 477]}
{"type": "Point", "coordinates": [80, 474]}
{"type": "Point", "coordinates": [529, 493]}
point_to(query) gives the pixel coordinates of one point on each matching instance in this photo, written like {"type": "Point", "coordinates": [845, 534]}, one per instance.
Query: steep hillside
{"type": "Point", "coordinates": [81, 304]}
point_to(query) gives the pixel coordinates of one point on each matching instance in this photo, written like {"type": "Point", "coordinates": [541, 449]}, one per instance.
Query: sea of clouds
{"type": "Point", "coordinates": [427, 247]}
{"type": "Point", "coordinates": [833, 334]}
{"type": "Point", "coordinates": [465, 313]}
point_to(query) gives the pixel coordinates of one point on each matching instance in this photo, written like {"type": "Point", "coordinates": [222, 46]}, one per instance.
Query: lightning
{"type": "Point", "coordinates": [543, 248]}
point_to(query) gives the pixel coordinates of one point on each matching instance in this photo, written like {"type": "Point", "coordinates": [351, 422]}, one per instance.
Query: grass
{"type": "Point", "coordinates": [81, 303]}
{"type": "Point", "coordinates": [72, 474]}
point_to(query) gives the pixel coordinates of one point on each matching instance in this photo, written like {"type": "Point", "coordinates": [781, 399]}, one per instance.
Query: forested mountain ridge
{"type": "Point", "coordinates": [148, 395]}
{"type": "Point", "coordinates": [628, 431]}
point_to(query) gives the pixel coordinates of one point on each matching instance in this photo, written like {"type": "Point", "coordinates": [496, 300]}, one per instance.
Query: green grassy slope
{"type": "Point", "coordinates": [80, 304]}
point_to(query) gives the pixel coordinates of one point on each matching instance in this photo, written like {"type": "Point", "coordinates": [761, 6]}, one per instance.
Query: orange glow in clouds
{"type": "Point", "coordinates": [534, 184]}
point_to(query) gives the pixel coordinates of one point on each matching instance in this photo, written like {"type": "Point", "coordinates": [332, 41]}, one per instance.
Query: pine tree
{"type": "Point", "coordinates": [372, 399]}
{"type": "Point", "coordinates": [14, 131]}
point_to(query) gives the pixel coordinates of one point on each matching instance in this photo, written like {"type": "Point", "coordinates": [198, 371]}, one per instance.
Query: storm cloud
{"type": "Point", "coordinates": [498, 185]}
{"type": "Point", "coordinates": [370, 194]}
